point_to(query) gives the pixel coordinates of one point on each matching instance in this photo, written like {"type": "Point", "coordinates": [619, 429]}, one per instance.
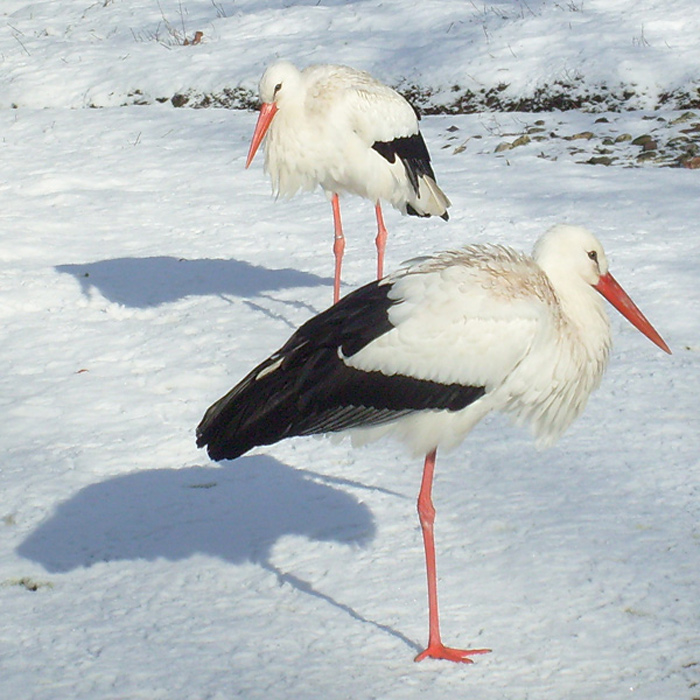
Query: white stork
{"type": "Point", "coordinates": [340, 128]}
{"type": "Point", "coordinates": [428, 351]}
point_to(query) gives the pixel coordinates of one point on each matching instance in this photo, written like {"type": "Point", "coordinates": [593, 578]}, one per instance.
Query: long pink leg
{"type": "Point", "coordinates": [338, 246]}
{"type": "Point", "coordinates": [426, 512]}
{"type": "Point", "coordinates": [380, 240]}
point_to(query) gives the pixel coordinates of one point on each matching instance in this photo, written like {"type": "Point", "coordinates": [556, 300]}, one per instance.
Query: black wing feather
{"type": "Point", "coordinates": [305, 388]}
{"type": "Point", "coordinates": [412, 152]}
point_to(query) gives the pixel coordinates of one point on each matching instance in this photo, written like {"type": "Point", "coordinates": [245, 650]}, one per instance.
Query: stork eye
{"type": "Point", "coordinates": [278, 87]}
{"type": "Point", "coordinates": [593, 256]}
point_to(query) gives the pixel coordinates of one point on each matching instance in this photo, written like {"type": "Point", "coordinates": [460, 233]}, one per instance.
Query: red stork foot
{"type": "Point", "coordinates": [439, 651]}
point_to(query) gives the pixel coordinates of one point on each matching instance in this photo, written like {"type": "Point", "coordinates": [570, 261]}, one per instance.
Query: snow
{"type": "Point", "coordinates": [76, 53]}
{"type": "Point", "coordinates": [144, 272]}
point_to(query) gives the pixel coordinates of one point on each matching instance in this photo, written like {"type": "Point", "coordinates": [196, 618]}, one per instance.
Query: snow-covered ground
{"type": "Point", "coordinates": [144, 271]}
{"type": "Point", "coordinates": [76, 53]}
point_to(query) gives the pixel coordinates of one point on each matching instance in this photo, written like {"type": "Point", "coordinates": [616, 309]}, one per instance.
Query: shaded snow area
{"type": "Point", "coordinates": [144, 272]}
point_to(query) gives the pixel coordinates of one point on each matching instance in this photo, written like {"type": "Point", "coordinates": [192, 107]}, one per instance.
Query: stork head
{"type": "Point", "coordinates": [279, 80]}
{"type": "Point", "coordinates": [567, 252]}
{"type": "Point", "coordinates": [276, 78]}
{"type": "Point", "coordinates": [570, 255]}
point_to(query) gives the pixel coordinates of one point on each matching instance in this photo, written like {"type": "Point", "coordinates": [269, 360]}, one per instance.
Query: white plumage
{"type": "Point", "coordinates": [339, 128]}
{"type": "Point", "coordinates": [427, 352]}
{"type": "Point", "coordinates": [488, 316]}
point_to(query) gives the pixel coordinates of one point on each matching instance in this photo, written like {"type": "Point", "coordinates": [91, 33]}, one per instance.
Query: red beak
{"type": "Point", "coordinates": [267, 111]}
{"type": "Point", "coordinates": [616, 295]}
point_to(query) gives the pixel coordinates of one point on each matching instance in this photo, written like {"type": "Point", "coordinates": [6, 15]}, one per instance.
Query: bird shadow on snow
{"type": "Point", "coordinates": [236, 512]}
{"type": "Point", "coordinates": [148, 282]}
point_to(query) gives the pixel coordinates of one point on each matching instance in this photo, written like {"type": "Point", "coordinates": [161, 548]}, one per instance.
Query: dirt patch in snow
{"type": "Point", "coordinates": [670, 140]}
